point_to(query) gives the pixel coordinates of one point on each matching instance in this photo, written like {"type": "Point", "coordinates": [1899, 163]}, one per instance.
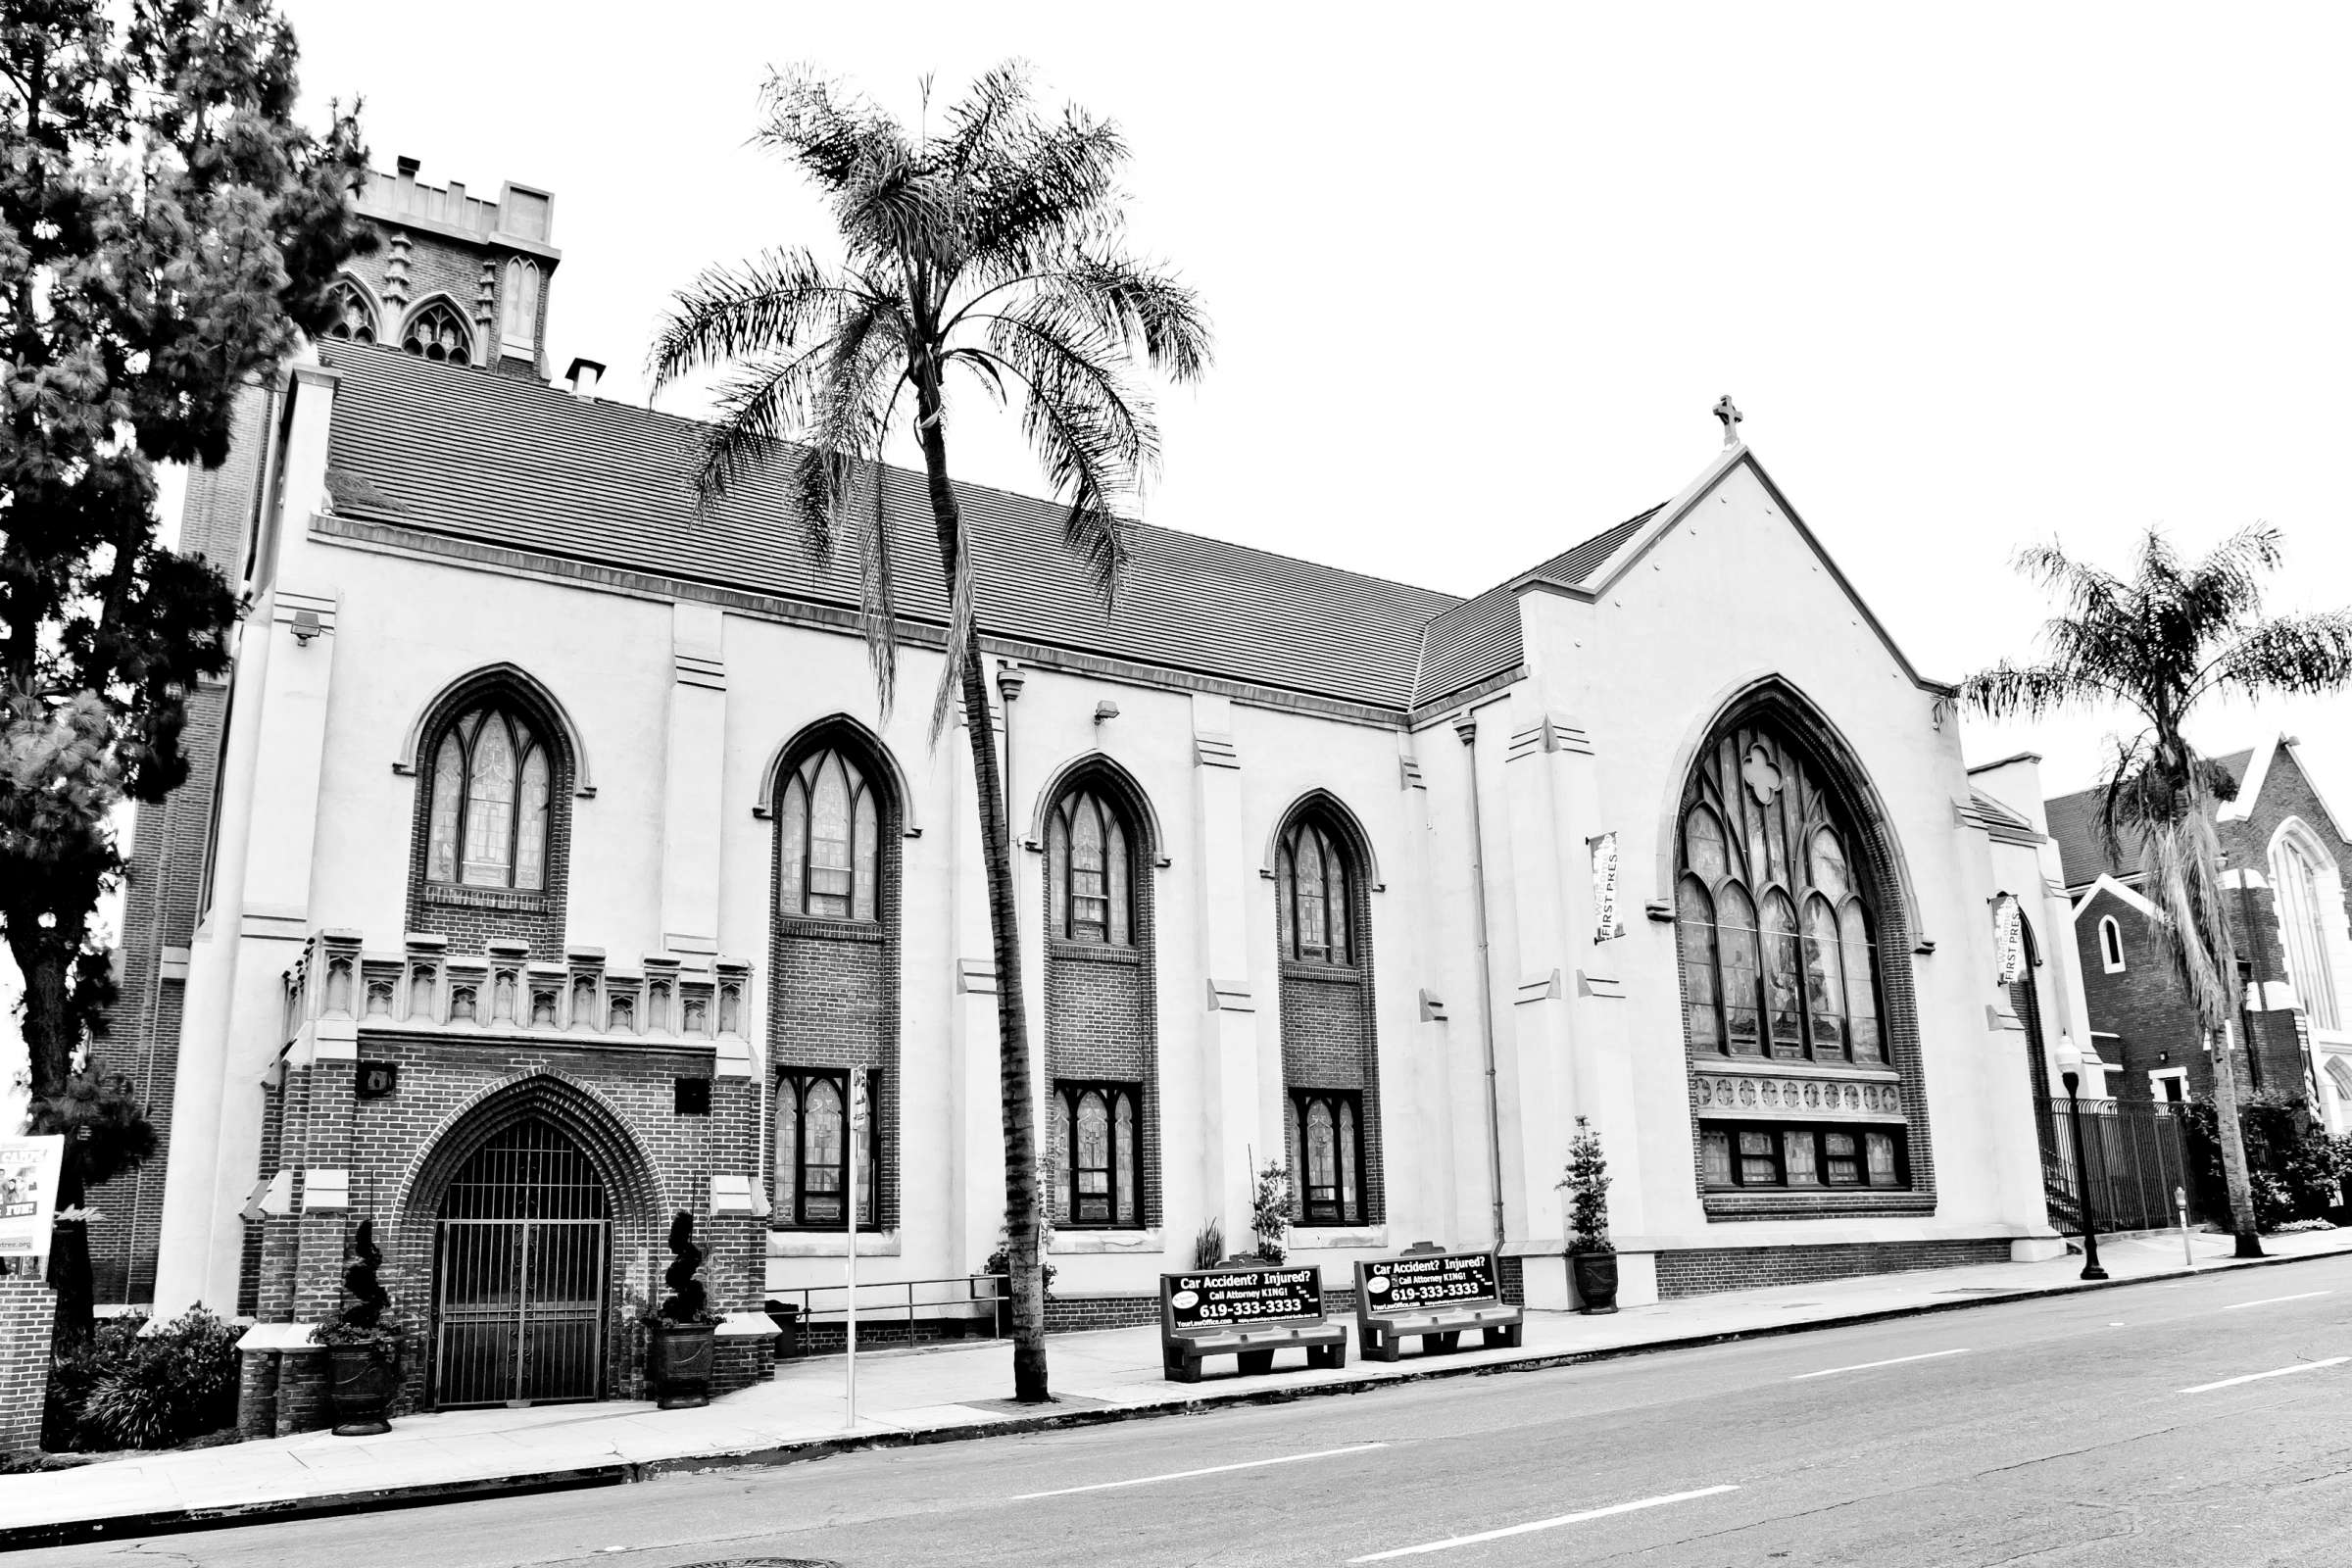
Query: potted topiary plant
{"type": "Point", "coordinates": [680, 1338]}
{"type": "Point", "coordinates": [1592, 1257]}
{"type": "Point", "coordinates": [363, 1350]}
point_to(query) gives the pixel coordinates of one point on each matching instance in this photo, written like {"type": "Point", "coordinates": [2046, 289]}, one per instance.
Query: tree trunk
{"type": "Point", "coordinates": [47, 967]}
{"type": "Point", "coordinates": [2227, 1130]}
{"type": "Point", "coordinates": [1021, 1217]}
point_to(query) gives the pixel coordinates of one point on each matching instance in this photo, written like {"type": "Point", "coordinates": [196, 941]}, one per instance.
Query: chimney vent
{"type": "Point", "coordinates": [408, 168]}
{"type": "Point", "coordinates": [584, 376]}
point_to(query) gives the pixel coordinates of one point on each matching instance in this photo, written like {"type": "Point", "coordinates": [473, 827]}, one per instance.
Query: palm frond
{"type": "Point", "coordinates": [771, 303]}
{"type": "Point", "coordinates": [1140, 307]}
{"type": "Point", "coordinates": [2012, 691]}
{"type": "Point", "coordinates": [2300, 655]}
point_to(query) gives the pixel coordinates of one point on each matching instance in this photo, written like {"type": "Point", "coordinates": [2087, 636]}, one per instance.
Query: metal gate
{"type": "Point", "coordinates": [519, 1298]}
{"type": "Point", "coordinates": [2134, 1155]}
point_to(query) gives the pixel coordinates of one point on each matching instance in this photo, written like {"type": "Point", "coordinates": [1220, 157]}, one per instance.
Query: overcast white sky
{"type": "Point", "coordinates": [1978, 276]}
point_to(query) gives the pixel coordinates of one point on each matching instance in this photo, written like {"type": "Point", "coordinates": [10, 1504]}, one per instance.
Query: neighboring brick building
{"type": "Point", "coordinates": [525, 743]}
{"type": "Point", "coordinates": [2281, 846]}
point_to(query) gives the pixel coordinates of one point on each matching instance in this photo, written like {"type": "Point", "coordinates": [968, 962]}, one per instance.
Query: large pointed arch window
{"type": "Point", "coordinates": [492, 792]}
{"type": "Point", "coordinates": [1089, 871]}
{"type": "Point", "coordinates": [2295, 882]}
{"type": "Point", "coordinates": [1314, 900]}
{"type": "Point", "coordinates": [1778, 957]}
{"type": "Point", "coordinates": [830, 822]}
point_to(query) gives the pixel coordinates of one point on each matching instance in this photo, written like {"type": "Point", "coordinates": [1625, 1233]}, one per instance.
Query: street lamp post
{"type": "Point", "coordinates": [2070, 1068]}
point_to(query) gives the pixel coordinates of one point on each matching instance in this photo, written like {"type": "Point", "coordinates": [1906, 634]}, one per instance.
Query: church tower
{"type": "Point", "coordinates": [457, 278]}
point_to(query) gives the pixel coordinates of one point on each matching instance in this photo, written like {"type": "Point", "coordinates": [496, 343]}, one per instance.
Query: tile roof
{"type": "Point", "coordinates": [466, 453]}
{"type": "Point", "coordinates": [1997, 820]}
{"type": "Point", "coordinates": [2075, 824]}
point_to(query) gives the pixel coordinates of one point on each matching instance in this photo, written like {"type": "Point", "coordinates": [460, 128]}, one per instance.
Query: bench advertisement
{"type": "Point", "coordinates": [1242, 1295]}
{"type": "Point", "coordinates": [1407, 1284]}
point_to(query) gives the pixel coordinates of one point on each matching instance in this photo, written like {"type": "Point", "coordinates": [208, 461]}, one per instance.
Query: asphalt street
{"type": "Point", "coordinates": [2203, 1422]}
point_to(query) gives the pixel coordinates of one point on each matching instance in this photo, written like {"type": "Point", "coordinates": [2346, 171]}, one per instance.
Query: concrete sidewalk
{"type": "Point", "coordinates": [940, 1393]}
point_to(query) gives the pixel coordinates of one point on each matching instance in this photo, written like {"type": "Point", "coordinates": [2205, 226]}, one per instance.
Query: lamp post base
{"type": "Point", "coordinates": [2092, 1271]}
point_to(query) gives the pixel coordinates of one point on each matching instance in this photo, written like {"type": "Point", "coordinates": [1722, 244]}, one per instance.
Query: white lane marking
{"type": "Point", "coordinates": [2272, 1300]}
{"type": "Point", "coordinates": [1212, 1470]}
{"type": "Point", "coordinates": [1865, 1366]}
{"type": "Point", "coordinates": [1541, 1524]}
{"type": "Point", "coordinates": [2276, 1372]}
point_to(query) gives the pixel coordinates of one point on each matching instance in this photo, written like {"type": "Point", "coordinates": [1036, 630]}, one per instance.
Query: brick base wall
{"type": "Point", "coordinates": [738, 1363]}
{"type": "Point", "coordinates": [1510, 1276]}
{"type": "Point", "coordinates": [1701, 1271]}
{"type": "Point", "coordinates": [28, 1309]}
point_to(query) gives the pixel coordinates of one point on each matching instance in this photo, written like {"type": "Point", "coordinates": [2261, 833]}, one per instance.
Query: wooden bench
{"type": "Point", "coordinates": [1248, 1315]}
{"type": "Point", "coordinates": [1433, 1297]}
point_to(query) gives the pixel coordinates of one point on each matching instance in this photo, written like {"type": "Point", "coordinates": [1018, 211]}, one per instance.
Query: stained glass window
{"type": "Point", "coordinates": [830, 841]}
{"type": "Point", "coordinates": [1087, 874]}
{"type": "Point", "coordinates": [1314, 883]}
{"type": "Point", "coordinates": [1097, 1181]}
{"type": "Point", "coordinates": [520, 319]}
{"type": "Point", "coordinates": [1777, 1157]}
{"type": "Point", "coordinates": [1762, 839]}
{"type": "Point", "coordinates": [812, 1150]}
{"type": "Point", "coordinates": [1328, 1156]}
{"type": "Point", "coordinates": [486, 823]}
{"type": "Point", "coordinates": [2296, 888]}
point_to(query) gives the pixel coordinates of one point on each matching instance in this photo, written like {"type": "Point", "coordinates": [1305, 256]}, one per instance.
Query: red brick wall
{"type": "Point", "coordinates": [1328, 1038]}
{"type": "Point", "coordinates": [27, 1307]}
{"type": "Point", "coordinates": [1099, 1026]}
{"type": "Point", "coordinates": [1699, 1271]}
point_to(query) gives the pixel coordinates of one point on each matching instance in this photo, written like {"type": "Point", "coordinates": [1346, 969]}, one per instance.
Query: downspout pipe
{"type": "Point", "coordinates": [1467, 728]}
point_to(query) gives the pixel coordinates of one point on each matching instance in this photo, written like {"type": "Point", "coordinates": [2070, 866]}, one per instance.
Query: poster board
{"type": "Point", "coordinates": [1238, 1298]}
{"type": "Point", "coordinates": [28, 1171]}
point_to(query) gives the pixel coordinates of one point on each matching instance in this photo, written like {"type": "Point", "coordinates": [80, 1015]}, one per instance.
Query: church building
{"type": "Point", "coordinates": [549, 868]}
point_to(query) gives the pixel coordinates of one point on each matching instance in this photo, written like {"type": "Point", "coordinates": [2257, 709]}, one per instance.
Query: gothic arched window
{"type": "Point", "coordinates": [487, 822]}
{"type": "Point", "coordinates": [354, 320]}
{"type": "Point", "coordinates": [829, 821]}
{"type": "Point", "coordinates": [1089, 877]}
{"type": "Point", "coordinates": [1775, 933]}
{"type": "Point", "coordinates": [519, 321]}
{"type": "Point", "coordinates": [1314, 906]}
{"type": "Point", "coordinates": [2295, 887]}
{"type": "Point", "coordinates": [437, 333]}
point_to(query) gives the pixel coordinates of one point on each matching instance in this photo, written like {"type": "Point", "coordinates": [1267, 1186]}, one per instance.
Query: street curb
{"type": "Point", "coordinates": [174, 1521]}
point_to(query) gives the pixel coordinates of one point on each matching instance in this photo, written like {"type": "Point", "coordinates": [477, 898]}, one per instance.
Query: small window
{"type": "Point", "coordinates": [691, 1097]}
{"type": "Point", "coordinates": [2111, 945]}
{"type": "Point", "coordinates": [1328, 1156]}
{"type": "Point", "coordinates": [813, 1149]}
{"type": "Point", "coordinates": [353, 320]}
{"type": "Point", "coordinates": [519, 323]}
{"type": "Point", "coordinates": [1098, 1155]}
{"type": "Point", "coordinates": [1745, 1155]}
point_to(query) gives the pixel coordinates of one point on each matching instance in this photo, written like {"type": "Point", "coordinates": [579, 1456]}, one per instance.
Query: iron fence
{"type": "Point", "coordinates": [2137, 1157]}
{"type": "Point", "coordinates": [814, 1318]}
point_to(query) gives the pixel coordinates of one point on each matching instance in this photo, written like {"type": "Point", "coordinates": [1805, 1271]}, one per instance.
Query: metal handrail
{"type": "Point", "coordinates": [998, 1289]}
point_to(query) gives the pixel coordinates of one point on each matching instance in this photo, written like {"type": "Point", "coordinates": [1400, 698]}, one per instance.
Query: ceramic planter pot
{"type": "Point", "coordinates": [1595, 1276]}
{"type": "Point", "coordinates": [362, 1379]}
{"type": "Point", "coordinates": [677, 1363]}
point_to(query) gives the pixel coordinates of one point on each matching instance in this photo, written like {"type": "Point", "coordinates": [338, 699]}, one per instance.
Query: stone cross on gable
{"type": "Point", "coordinates": [1728, 413]}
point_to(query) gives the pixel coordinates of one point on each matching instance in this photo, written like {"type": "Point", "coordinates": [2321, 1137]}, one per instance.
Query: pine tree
{"type": "Point", "coordinates": [166, 231]}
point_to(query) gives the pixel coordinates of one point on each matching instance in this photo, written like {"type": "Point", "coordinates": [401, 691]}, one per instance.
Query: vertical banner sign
{"type": "Point", "coordinates": [1604, 886]}
{"type": "Point", "coordinates": [2009, 937]}
{"type": "Point", "coordinates": [29, 1168]}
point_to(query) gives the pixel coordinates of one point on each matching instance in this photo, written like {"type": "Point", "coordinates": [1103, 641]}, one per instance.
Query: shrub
{"type": "Point", "coordinates": [1587, 1184]}
{"type": "Point", "coordinates": [688, 1300]}
{"type": "Point", "coordinates": [119, 1389]}
{"type": "Point", "coordinates": [2294, 1167]}
{"type": "Point", "coordinates": [1209, 1246]}
{"type": "Point", "coordinates": [1270, 1209]}
{"type": "Point", "coordinates": [361, 1320]}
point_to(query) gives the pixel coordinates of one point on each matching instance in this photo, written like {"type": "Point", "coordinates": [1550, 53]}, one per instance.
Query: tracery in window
{"type": "Point", "coordinates": [1314, 909]}
{"type": "Point", "coordinates": [830, 826]}
{"type": "Point", "coordinates": [487, 823]}
{"type": "Point", "coordinates": [354, 320]}
{"type": "Point", "coordinates": [437, 333]}
{"type": "Point", "coordinates": [1089, 877]}
{"type": "Point", "coordinates": [1760, 841]}
{"type": "Point", "coordinates": [2295, 886]}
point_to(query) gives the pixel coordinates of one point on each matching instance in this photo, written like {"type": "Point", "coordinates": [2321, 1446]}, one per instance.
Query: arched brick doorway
{"type": "Point", "coordinates": [521, 1265]}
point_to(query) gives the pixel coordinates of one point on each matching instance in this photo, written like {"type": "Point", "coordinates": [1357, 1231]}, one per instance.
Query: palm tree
{"type": "Point", "coordinates": [2171, 636]}
{"type": "Point", "coordinates": [993, 247]}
